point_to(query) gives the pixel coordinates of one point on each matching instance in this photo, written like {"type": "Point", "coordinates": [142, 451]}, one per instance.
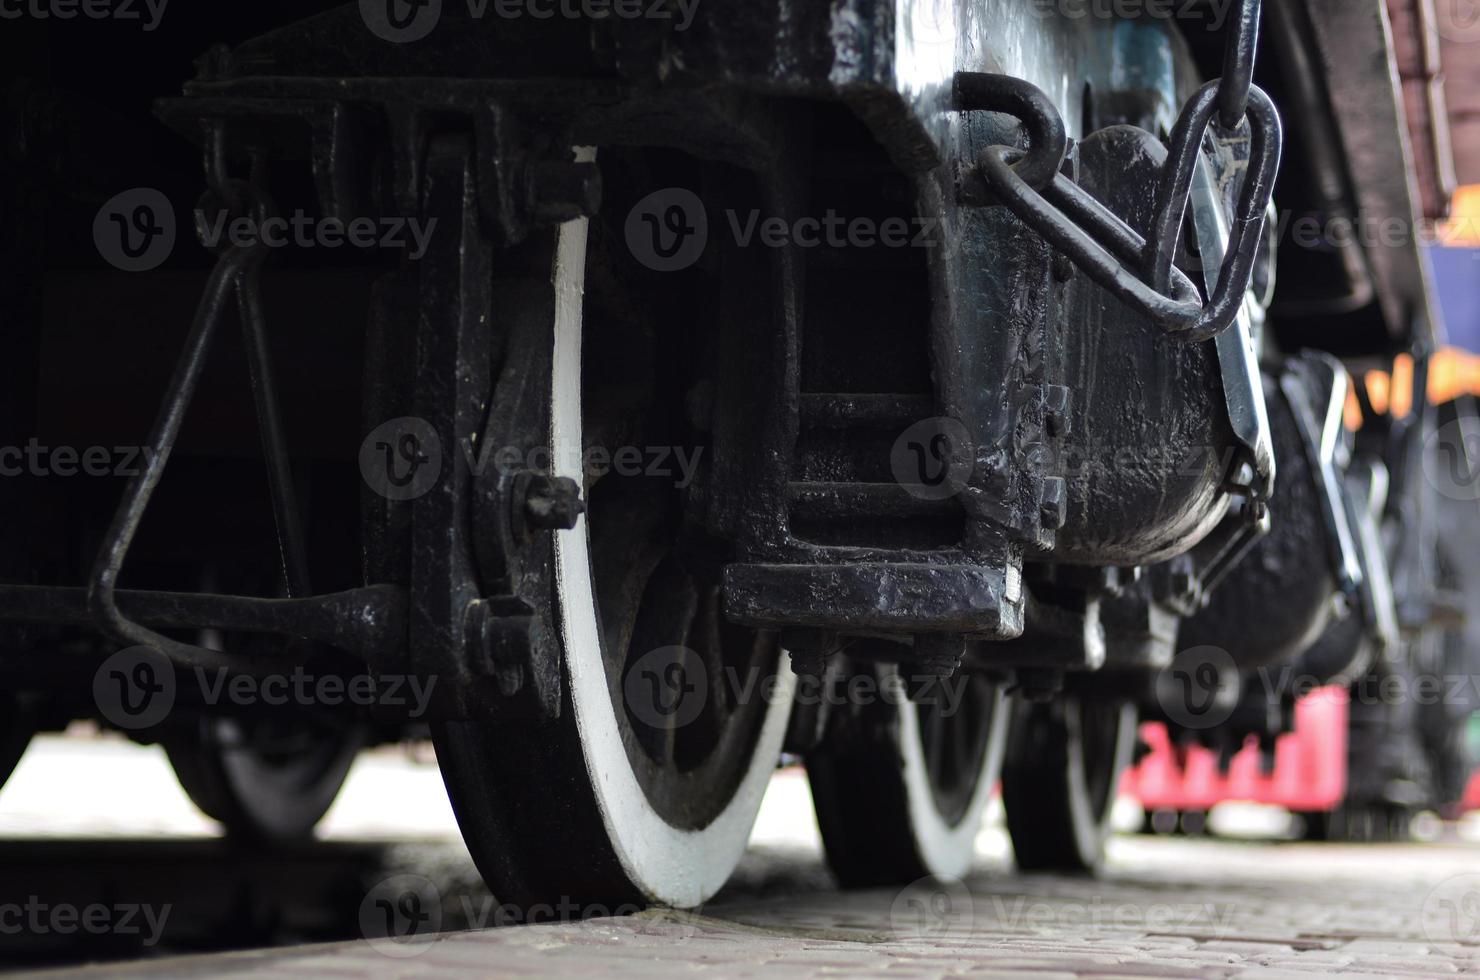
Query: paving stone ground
{"type": "Point", "coordinates": [1163, 908]}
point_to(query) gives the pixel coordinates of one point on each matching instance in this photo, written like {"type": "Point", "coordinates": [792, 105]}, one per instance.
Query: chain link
{"type": "Point", "coordinates": [1139, 271]}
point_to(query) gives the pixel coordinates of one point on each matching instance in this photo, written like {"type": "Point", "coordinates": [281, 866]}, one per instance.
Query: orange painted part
{"type": "Point", "coordinates": [1452, 372]}
{"type": "Point", "coordinates": [1462, 230]}
{"type": "Point", "coordinates": [1309, 773]}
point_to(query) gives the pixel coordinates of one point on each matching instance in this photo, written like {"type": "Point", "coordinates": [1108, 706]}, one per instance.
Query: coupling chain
{"type": "Point", "coordinates": [1140, 271]}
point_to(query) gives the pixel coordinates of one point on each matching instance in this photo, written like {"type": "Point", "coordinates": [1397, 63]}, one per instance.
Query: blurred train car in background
{"type": "Point", "coordinates": [1362, 761]}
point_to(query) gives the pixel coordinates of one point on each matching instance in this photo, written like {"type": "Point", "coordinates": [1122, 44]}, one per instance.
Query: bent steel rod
{"type": "Point", "coordinates": [368, 622]}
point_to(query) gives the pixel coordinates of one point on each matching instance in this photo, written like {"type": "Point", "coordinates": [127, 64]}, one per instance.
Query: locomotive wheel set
{"type": "Point", "coordinates": [921, 390]}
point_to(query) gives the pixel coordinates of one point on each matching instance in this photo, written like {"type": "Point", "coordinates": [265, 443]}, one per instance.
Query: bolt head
{"type": "Point", "coordinates": [553, 503]}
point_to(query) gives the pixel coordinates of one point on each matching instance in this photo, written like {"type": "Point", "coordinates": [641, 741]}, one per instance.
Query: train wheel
{"type": "Point", "coordinates": [263, 779]}
{"type": "Point", "coordinates": [15, 736]}
{"type": "Point", "coordinates": [630, 796]}
{"type": "Point", "coordinates": [1315, 825]}
{"type": "Point", "coordinates": [1064, 761]}
{"type": "Point", "coordinates": [12, 747]}
{"type": "Point", "coordinates": [1163, 822]}
{"type": "Point", "coordinates": [904, 798]}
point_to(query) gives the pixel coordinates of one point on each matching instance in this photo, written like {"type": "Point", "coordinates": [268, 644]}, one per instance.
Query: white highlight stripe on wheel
{"type": "Point", "coordinates": [671, 865]}
{"type": "Point", "coordinates": [948, 851]}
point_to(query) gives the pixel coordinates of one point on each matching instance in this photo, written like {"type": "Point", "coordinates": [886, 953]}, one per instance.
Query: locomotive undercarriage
{"type": "Point", "coordinates": [1081, 487]}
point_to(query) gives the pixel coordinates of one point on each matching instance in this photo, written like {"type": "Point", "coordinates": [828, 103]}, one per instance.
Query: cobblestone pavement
{"type": "Point", "coordinates": [1164, 907]}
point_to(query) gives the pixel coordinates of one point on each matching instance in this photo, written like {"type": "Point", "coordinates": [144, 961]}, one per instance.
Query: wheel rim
{"type": "Point", "coordinates": [264, 778]}
{"type": "Point", "coordinates": [1065, 761]}
{"type": "Point", "coordinates": [1104, 747]}
{"type": "Point", "coordinates": [1101, 738]}
{"type": "Point", "coordinates": [950, 769]}
{"type": "Point", "coordinates": [680, 863]}
{"type": "Point", "coordinates": [903, 801]}
{"type": "Point", "coordinates": [955, 744]}
{"type": "Point", "coordinates": [15, 737]}
{"type": "Point", "coordinates": [270, 775]}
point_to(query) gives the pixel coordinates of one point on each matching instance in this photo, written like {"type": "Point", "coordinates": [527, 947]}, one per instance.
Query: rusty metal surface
{"type": "Point", "coordinates": [1355, 52]}
{"type": "Point", "coordinates": [1461, 61]}
{"type": "Point", "coordinates": [1417, 27]}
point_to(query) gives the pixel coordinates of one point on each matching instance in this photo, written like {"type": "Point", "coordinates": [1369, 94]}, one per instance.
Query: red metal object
{"type": "Point", "coordinates": [1309, 773]}
{"type": "Point", "coordinates": [1472, 793]}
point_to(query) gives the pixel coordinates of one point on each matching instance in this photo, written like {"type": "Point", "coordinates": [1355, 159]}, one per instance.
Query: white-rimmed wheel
{"type": "Point", "coordinates": [900, 790]}
{"type": "Point", "coordinates": [1064, 761]}
{"type": "Point", "coordinates": [267, 775]}
{"type": "Point", "coordinates": [264, 778]}
{"type": "Point", "coordinates": [16, 729]}
{"type": "Point", "coordinates": [645, 788]}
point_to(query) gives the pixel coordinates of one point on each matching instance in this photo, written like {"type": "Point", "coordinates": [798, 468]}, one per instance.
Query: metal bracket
{"type": "Point", "coordinates": [1243, 390]}
{"type": "Point", "coordinates": [1316, 386]}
